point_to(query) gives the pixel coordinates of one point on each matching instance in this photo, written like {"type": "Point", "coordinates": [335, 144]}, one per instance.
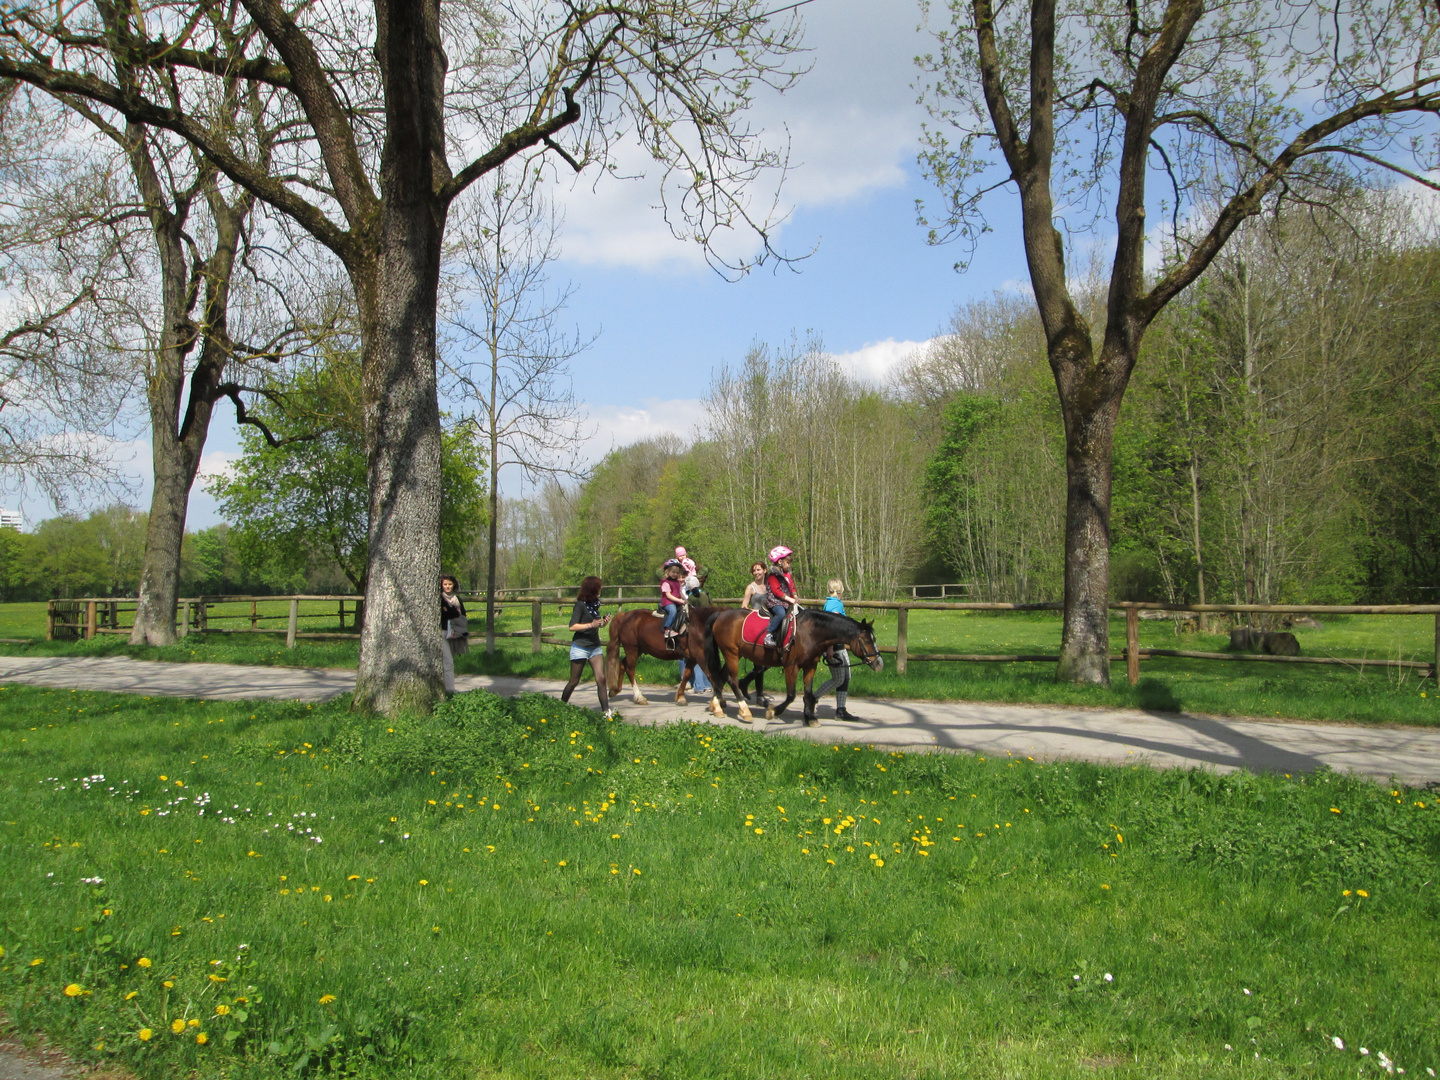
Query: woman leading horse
{"type": "Point", "coordinates": [815, 631]}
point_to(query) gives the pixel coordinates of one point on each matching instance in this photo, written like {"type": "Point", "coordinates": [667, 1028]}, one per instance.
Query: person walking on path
{"type": "Point", "coordinates": [837, 658]}
{"type": "Point", "coordinates": [454, 629]}
{"type": "Point", "coordinates": [585, 647]}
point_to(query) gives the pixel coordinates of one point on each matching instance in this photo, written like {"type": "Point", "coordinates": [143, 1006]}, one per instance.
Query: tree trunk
{"type": "Point", "coordinates": [1085, 639]}
{"type": "Point", "coordinates": [175, 462]}
{"type": "Point", "coordinates": [490, 576]}
{"type": "Point", "coordinates": [1090, 394]}
{"type": "Point", "coordinates": [400, 663]}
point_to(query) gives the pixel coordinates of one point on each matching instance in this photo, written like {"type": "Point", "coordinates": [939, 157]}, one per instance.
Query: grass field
{"type": "Point", "coordinates": [523, 890]}
{"type": "Point", "coordinates": [1358, 695]}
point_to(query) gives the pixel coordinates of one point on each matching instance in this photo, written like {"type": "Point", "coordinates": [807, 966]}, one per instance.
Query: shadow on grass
{"type": "Point", "coordinates": [1152, 695]}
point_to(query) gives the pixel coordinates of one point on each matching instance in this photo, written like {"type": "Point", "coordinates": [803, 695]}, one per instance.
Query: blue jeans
{"type": "Point", "coordinates": [698, 682]}
{"type": "Point", "coordinates": [672, 612]}
{"type": "Point", "coordinates": [777, 619]}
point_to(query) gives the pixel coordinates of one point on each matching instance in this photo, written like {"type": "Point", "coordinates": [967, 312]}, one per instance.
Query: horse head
{"type": "Point", "coordinates": [863, 645]}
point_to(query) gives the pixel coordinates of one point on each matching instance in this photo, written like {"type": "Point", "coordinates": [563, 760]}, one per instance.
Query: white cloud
{"type": "Point", "coordinates": [215, 463]}
{"type": "Point", "coordinates": [877, 359]}
{"type": "Point", "coordinates": [620, 425]}
{"type": "Point", "coordinates": [851, 124]}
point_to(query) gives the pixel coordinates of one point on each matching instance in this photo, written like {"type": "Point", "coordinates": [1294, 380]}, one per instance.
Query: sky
{"type": "Point", "coordinates": [870, 288]}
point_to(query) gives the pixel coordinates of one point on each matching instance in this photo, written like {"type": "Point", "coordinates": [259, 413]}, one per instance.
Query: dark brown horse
{"type": "Point", "coordinates": [815, 631]}
{"type": "Point", "coordinates": [639, 632]}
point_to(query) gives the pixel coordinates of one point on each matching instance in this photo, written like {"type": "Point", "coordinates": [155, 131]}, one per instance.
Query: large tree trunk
{"type": "Point", "coordinates": [175, 462]}
{"type": "Point", "coordinates": [1090, 395]}
{"type": "Point", "coordinates": [400, 663]}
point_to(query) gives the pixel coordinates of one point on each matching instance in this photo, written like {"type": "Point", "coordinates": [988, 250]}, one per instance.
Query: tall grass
{"type": "Point", "coordinates": [524, 890]}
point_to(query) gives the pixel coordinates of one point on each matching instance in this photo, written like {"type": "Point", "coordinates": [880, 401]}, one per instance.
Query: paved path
{"type": "Point", "coordinates": [1041, 731]}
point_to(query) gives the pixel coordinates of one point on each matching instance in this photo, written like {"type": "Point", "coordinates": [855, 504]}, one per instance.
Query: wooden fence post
{"type": "Point", "coordinates": [535, 620]}
{"type": "Point", "coordinates": [50, 620]}
{"type": "Point", "coordinates": [254, 622]}
{"type": "Point", "coordinates": [293, 624]}
{"type": "Point", "coordinates": [1132, 644]}
{"type": "Point", "coordinates": [185, 619]}
{"type": "Point", "coordinates": [902, 639]}
{"type": "Point", "coordinates": [89, 619]}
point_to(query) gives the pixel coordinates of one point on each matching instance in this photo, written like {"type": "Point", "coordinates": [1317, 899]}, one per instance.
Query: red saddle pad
{"type": "Point", "coordinates": [754, 628]}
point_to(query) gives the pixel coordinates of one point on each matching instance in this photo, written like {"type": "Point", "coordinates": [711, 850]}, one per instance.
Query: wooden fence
{"type": "Point", "coordinates": [87, 617]}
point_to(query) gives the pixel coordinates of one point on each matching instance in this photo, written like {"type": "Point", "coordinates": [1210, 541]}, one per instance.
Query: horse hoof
{"type": "Point", "coordinates": [641, 701]}
{"type": "Point", "coordinates": [769, 714]}
{"type": "Point", "coordinates": [810, 721]}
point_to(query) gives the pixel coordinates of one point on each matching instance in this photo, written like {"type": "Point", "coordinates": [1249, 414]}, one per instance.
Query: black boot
{"type": "Point", "coordinates": [842, 714]}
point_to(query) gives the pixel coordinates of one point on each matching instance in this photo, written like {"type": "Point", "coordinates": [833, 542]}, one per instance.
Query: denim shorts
{"type": "Point", "coordinates": [581, 651]}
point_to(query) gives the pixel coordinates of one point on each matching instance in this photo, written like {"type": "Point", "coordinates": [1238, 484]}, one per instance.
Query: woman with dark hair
{"type": "Point", "coordinates": [585, 623]}
{"type": "Point", "coordinates": [454, 629]}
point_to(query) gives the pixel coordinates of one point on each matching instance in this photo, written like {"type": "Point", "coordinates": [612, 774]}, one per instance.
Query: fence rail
{"type": "Point", "coordinates": [86, 617]}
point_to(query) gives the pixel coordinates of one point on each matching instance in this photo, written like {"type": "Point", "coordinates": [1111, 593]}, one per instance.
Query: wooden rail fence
{"type": "Point", "coordinates": [89, 616]}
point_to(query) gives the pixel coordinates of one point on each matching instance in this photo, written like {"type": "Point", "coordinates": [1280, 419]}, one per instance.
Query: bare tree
{"type": "Point", "coordinates": [1274, 98]}
{"type": "Point", "coordinates": [372, 113]}
{"type": "Point", "coordinates": [509, 366]}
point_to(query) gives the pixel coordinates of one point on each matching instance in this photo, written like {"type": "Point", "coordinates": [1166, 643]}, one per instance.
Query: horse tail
{"type": "Point", "coordinates": [612, 656]}
{"type": "Point", "coordinates": [712, 652]}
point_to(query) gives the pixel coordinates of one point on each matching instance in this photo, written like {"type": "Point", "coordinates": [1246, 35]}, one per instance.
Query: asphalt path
{"type": "Point", "coordinates": [1042, 732]}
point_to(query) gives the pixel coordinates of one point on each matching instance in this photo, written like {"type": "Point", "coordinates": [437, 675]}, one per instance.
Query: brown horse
{"type": "Point", "coordinates": [815, 631]}
{"type": "Point", "coordinates": [639, 632]}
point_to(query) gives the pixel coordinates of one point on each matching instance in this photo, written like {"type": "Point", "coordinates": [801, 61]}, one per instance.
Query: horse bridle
{"type": "Point", "coordinates": [866, 659]}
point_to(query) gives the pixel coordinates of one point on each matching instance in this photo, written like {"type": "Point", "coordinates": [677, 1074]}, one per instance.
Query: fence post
{"type": "Point", "coordinates": [1435, 671]}
{"type": "Point", "coordinates": [535, 620]}
{"type": "Point", "coordinates": [185, 619]}
{"type": "Point", "coordinates": [50, 620]}
{"type": "Point", "coordinates": [1132, 644]}
{"type": "Point", "coordinates": [89, 619]}
{"type": "Point", "coordinates": [254, 622]}
{"type": "Point", "coordinates": [293, 624]}
{"type": "Point", "coordinates": [902, 639]}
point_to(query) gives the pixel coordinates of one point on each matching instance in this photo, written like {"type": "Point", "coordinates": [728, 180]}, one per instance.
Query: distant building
{"type": "Point", "coordinates": [13, 519]}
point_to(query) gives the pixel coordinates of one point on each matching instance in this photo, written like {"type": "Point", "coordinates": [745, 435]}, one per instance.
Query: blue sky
{"type": "Point", "coordinates": [665, 321]}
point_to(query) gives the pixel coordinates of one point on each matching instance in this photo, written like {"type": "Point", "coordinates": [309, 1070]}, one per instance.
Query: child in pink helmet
{"type": "Point", "coordinates": [779, 591]}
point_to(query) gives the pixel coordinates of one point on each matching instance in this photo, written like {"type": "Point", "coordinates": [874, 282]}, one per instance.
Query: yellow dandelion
{"type": "Point", "coordinates": [879, 862]}
{"type": "Point", "coordinates": [194, 1023]}
{"type": "Point", "coordinates": [1362, 892]}
{"type": "Point", "coordinates": [222, 1010]}
{"type": "Point", "coordinates": [326, 999]}
{"type": "Point", "coordinates": [1105, 887]}
{"type": "Point", "coordinates": [145, 1034]}
{"type": "Point", "coordinates": [424, 882]}
{"type": "Point", "coordinates": [759, 832]}
{"type": "Point", "coordinates": [1345, 892]}
{"type": "Point", "coordinates": [168, 985]}
{"type": "Point", "coordinates": [177, 1025]}
{"type": "Point", "coordinates": [353, 877]}
{"type": "Point", "coordinates": [564, 862]}
{"type": "Point", "coordinates": [132, 995]}
{"type": "Point", "coordinates": [74, 990]}
{"type": "Point", "coordinates": [201, 1038]}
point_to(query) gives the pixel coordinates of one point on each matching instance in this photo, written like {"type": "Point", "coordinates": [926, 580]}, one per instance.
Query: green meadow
{"type": "Point", "coordinates": [1354, 694]}
{"type": "Point", "coordinates": [520, 889]}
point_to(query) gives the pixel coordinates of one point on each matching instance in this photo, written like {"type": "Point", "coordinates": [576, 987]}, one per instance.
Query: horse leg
{"type": "Point", "coordinates": [684, 681]}
{"type": "Point", "coordinates": [810, 698]}
{"type": "Point", "coordinates": [631, 659]}
{"type": "Point", "coordinates": [732, 667]}
{"type": "Point", "coordinates": [612, 666]}
{"type": "Point", "coordinates": [770, 714]}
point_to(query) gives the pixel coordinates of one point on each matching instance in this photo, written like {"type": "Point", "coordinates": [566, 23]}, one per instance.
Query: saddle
{"type": "Point", "coordinates": [753, 630]}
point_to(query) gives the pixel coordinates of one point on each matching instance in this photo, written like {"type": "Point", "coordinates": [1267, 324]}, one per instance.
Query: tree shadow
{"type": "Point", "coordinates": [1152, 695]}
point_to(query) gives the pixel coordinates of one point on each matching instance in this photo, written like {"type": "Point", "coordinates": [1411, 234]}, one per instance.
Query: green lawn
{"type": "Point", "coordinates": [1356, 695]}
{"type": "Point", "coordinates": [523, 890]}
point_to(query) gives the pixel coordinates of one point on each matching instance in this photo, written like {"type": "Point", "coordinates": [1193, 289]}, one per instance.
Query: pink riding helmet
{"type": "Point", "coordinates": [778, 552]}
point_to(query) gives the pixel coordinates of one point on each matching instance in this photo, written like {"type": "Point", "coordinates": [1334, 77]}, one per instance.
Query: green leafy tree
{"type": "Point", "coordinates": [305, 500]}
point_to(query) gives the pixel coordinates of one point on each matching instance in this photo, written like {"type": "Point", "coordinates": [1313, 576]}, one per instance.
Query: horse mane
{"type": "Point", "coordinates": [833, 621]}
